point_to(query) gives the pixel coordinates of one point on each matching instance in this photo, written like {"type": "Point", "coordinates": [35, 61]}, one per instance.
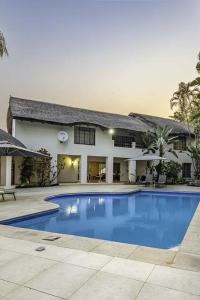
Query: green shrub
{"type": "Point", "coordinates": [172, 170]}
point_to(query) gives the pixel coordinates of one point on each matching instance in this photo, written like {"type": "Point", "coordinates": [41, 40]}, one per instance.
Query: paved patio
{"type": "Point", "coordinates": [82, 268]}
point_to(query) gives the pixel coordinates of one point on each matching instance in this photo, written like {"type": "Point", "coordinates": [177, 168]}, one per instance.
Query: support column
{"type": "Point", "coordinates": [54, 170]}
{"type": "Point", "coordinates": [132, 170]}
{"type": "Point", "coordinates": [6, 171]}
{"type": "Point", "coordinates": [83, 169]}
{"type": "Point", "coordinates": [109, 169]}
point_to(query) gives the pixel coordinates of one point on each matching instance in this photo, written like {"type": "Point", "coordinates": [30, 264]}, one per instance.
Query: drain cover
{"type": "Point", "coordinates": [40, 249]}
{"type": "Point", "coordinates": [51, 238]}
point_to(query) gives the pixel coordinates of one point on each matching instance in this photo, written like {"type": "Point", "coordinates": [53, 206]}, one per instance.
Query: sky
{"type": "Point", "coordinates": [109, 55]}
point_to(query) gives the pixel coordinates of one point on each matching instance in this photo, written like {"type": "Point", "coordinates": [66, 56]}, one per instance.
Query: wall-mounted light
{"type": "Point", "coordinates": [111, 131]}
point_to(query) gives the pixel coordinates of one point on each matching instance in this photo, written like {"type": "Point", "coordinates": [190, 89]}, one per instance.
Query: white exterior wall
{"type": "Point", "coordinates": [6, 167]}
{"type": "Point", "coordinates": [123, 169]}
{"type": "Point", "coordinates": [141, 168]}
{"type": "Point", "coordinates": [183, 157]}
{"type": "Point", "coordinates": [70, 173]}
{"type": "Point", "coordinates": [41, 135]}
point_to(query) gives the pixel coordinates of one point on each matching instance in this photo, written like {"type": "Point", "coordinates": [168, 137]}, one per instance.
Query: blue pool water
{"type": "Point", "coordinates": [154, 219]}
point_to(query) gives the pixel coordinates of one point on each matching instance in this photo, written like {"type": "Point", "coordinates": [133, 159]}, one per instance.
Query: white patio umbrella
{"type": "Point", "coordinates": [147, 157]}
{"type": "Point", "coordinates": [9, 149]}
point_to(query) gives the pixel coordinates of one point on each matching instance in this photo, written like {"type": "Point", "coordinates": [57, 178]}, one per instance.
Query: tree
{"type": "Point", "coordinates": [172, 170]}
{"type": "Point", "coordinates": [3, 49]}
{"type": "Point", "coordinates": [183, 102]}
{"type": "Point", "coordinates": [195, 121]}
{"type": "Point", "coordinates": [198, 64]}
{"type": "Point", "coordinates": [147, 141]}
{"type": "Point", "coordinates": [194, 153]}
{"type": "Point", "coordinates": [186, 103]}
{"type": "Point", "coordinates": [195, 113]}
{"type": "Point", "coordinates": [160, 138]}
{"type": "Point", "coordinates": [27, 170]}
{"type": "Point", "coordinates": [42, 167]}
{"type": "Point", "coordinates": [196, 82]}
{"type": "Point", "coordinates": [47, 171]}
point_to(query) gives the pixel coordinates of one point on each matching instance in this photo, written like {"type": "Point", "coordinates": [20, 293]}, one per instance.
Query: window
{"type": "Point", "coordinates": [139, 140]}
{"type": "Point", "coordinates": [84, 135]}
{"type": "Point", "coordinates": [139, 145]}
{"type": "Point", "coordinates": [180, 144]}
{"type": "Point", "coordinates": [186, 171]}
{"type": "Point", "coordinates": [123, 141]}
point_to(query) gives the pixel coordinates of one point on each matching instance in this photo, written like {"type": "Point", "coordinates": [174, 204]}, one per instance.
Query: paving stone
{"type": "Point", "coordinates": [187, 261]}
{"type": "Point", "coordinates": [24, 293]}
{"type": "Point", "coordinates": [129, 268]}
{"type": "Point", "coordinates": [193, 234]}
{"type": "Point", "coordinates": [191, 246]}
{"type": "Point", "coordinates": [115, 249]}
{"type": "Point", "coordinates": [153, 255]}
{"type": "Point", "coordinates": [81, 243]}
{"type": "Point", "coordinates": [6, 230]}
{"type": "Point", "coordinates": [154, 292]}
{"type": "Point", "coordinates": [88, 259]}
{"type": "Point", "coordinates": [6, 287]}
{"type": "Point", "coordinates": [21, 246]}
{"type": "Point", "coordinates": [30, 235]}
{"type": "Point", "coordinates": [182, 280]}
{"type": "Point", "coordinates": [105, 286]}
{"type": "Point", "coordinates": [24, 268]}
{"type": "Point", "coordinates": [196, 220]}
{"type": "Point", "coordinates": [6, 256]}
{"type": "Point", "coordinates": [61, 280]}
{"type": "Point", "coordinates": [53, 252]}
{"type": "Point", "coordinates": [193, 229]}
{"type": "Point", "coordinates": [59, 242]}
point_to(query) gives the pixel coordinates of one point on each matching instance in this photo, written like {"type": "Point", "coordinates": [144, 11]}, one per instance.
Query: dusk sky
{"type": "Point", "coordinates": [115, 56]}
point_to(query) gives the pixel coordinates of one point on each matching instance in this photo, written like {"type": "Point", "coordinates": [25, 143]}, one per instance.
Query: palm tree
{"type": "Point", "coordinates": [198, 64]}
{"type": "Point", "coordinates": [147, 141]}
{"type": "Point", "coordinates": [195, 114]}
{"type": "Point", "coordinates": [196, 82]}
{"type": "Point", "coordinates": [194, 153]}
{"type": "Point", "coordinates": [3, 49]}
{"type": "Point", "coordinates": [159, 140]}
{"type": "Point", "coordinates": [162, 137]}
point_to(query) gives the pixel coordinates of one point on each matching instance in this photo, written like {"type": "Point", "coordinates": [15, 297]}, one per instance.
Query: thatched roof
{"type": "Point", "coordinates": [65, 115]}
{"type": "Point", "coordinates": [4, 136]}
{"type": "Point", "coordinates": [153, 121]}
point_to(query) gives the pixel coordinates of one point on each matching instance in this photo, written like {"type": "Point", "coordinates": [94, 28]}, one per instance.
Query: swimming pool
{"type": "Point", "coordinates": [153, 219]}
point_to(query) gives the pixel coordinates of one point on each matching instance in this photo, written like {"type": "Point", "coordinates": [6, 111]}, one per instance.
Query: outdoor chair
{"type": "Point", "coordinates": [7, 192]}
{"type": "Point", "coordinates": [161, 181]}
{"type": "Point", "coordinates": [149, 179]}
{"type": "Point", "coordinates": [139, 180]}
{"type": "Point", "coordinates": [194, 183]}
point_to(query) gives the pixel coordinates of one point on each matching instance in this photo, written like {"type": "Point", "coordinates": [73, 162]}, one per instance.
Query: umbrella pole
{"type": "Point", "coordinates": [154, 182]}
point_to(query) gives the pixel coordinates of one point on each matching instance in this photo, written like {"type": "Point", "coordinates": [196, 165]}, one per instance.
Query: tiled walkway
{"type": "Point", "coordinates": [86, 269]}
{"type": "Point", "coordinates": [63, 273]}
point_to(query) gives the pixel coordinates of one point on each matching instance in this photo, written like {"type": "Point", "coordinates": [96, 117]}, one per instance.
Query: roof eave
{"type": "Point", "coordinates": [73, 123]}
